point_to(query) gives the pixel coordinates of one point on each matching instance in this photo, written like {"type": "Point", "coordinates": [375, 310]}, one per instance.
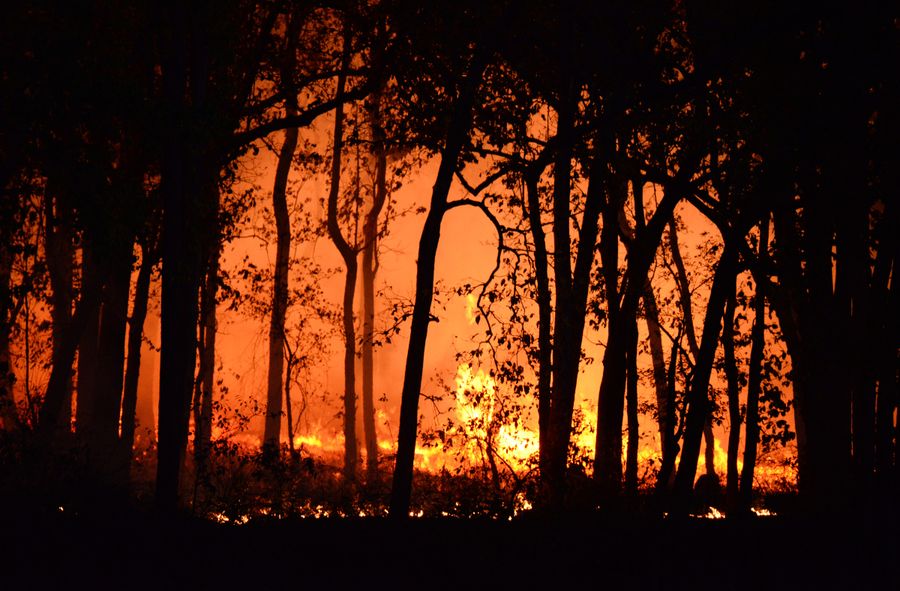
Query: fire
{"type": "Point", "coordinates": [476, 401]}
{"type": "Point", "coordinates": [471, 308]}
{"type": "Point", "coordinates": [482, 434]}
{"type": "Point", "coordinates": [308, 441]}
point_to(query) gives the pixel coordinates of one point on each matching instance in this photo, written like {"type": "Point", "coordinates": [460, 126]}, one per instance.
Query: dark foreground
{"type": "Point", "coordinates": [140, 550]}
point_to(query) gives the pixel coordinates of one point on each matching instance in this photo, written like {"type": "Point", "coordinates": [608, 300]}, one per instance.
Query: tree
{"type": "Point", "coordinates": [272, 436]}
{"type": "Point", "coordinates": [471, 57]}
{"type": "Point", "coordinates": [348, 254]}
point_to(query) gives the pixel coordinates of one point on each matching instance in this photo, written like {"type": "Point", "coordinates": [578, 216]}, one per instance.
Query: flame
{"type": "Point", "coordinates": [482, 432]}
{"type": "Point", "coordinates": [471, 308]}
{"type": "Point", "coordinates": [308, 440]}
{"type": "Point", "coordinates": [476, 400]}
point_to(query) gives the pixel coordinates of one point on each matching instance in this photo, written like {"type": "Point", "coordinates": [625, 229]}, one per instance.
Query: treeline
{"type": "Point", "coordinates": [124, 126]}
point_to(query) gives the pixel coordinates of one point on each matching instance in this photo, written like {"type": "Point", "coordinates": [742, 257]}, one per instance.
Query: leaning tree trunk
{"type": "Point", "coordinates": [135, 342]}
{"type": "Point", "coordinates": [754, 377]}
{"type": "Point", "coordinates": [698, 393]}
{"type": "Point", "coordinates": [369, 263]}
{"type": "Point", "coordinates": [664, 406]}
{"type": "Point", "coordinates": [458, 130]}
{"type": "Point", "coordinates": [684, 296]}
{"type": "Point", "coordinates": [272, 433]}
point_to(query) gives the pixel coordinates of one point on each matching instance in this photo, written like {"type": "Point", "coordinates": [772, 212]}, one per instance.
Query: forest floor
{"type": "Point", "coordinates": [139, 549]}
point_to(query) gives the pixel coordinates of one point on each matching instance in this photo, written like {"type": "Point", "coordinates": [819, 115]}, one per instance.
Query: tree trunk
{"type": "Point", "coordinates": [734, 405]}
{"type": "Point", "coordinates": [181, 168]}
{"type": "Point", "coordinates": [135, 342]}
{"type": "Point", "coordinates": [854, 293]}
{"type": "Point", "coordinates": [88, 347]}
{"type": "Point", "coordinates": [709, 446]}
{"type": "Point", "coordinates": [545, 316]}
{"type": "Point", "coordinates": [884, 331]}
{"type": "Point", "coordinates": [8, 413]}
{"type": "Point", "coordinates": [565, 350]}
{"type": "Point", "coordinates": [104, 450]}
{"type": "Point", "coordinates": [698, 394]}
{"type": "Point", "coordinates": [660, 381]}
{"type": "Point", "coordinates": [613, 385]}
{"type": "Point", "coordinates": [664, 405]}
{"type": "Point", "coordinates": [369, 263]}
{"type": "Point", "coordinates": [571, 308]}
{"type": "Point", "coordinates": [666, 478]}
{"type": "Point", "coordinates": [684, 296]}
{"type": "Point", "coordinates": [611, 397]}
{"type": "Point", "coordinates": [272, 434]}
{"type": "Point", "coordinates": [203, 397]}
{"type": "Point", "coordinates": [754, 375]}
{"type": "Point", "coordinates": [60, 255]}
{"type": "Point", "coordinates": [458, 130]}
{"type": "Point", "coordinates": [348, 254]}
{"type": "Point", "coordinates": [63, 361]}
{"type": "Point", "coordinates": [631, 394]}
{"type": "Point", "coordinates": [147, 387]}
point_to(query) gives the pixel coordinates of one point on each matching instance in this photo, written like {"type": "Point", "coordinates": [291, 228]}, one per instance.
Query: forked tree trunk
{"type": "Point", "coordinates": [348, 254]}
{"type": "Point", "coordinates": [654, 337]}
{"type": "Point", "coordinates": [684, 296]}
{"type": "Point", "coordinates": [698, 393]}
{"type": "Point", "coordinates": [276, 379]}
{"type": "Point", "coordinates": [369, 263]}
{"type": "Point", "coordinates": [611, 396]}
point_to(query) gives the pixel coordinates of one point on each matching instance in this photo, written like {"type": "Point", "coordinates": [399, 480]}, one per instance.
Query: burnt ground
{"type": "Point", "coordinates": [138, 549]}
